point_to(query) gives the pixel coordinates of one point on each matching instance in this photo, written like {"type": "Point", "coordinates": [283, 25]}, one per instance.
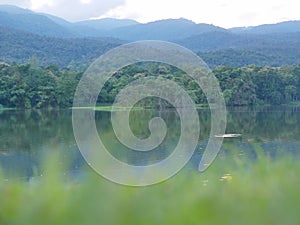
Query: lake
{"type": "Point", "coordinates": [28, 136]}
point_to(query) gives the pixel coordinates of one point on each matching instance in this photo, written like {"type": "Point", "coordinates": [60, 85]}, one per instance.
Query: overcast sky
{"type": "Point", "coordinates": [224, 13]}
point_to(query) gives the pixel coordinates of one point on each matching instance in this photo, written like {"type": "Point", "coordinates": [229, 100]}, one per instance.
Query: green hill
{"type": "Point", "coordinates": [18, 46]}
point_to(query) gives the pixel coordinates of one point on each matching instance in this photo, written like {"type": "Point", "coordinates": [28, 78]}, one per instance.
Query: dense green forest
{"type": "Point", "coordinates": [33, 86]}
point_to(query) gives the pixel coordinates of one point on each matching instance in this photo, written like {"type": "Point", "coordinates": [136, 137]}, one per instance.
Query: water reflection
{"type": "Point", "coordinates": [26, 137]}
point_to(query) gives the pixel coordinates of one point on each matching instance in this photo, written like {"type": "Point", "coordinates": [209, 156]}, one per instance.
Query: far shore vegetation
{"type": "Point", "coordinates": [28, 86]}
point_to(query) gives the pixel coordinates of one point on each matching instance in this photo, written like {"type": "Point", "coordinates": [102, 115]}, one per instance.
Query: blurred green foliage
{"type": "Point", "coordinates": [232, 191]}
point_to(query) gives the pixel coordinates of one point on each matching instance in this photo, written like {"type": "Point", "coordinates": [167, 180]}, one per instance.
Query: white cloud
{"type": "Point", "coordinates": [225, 13]}
{"type": "Point", "coordinates": [74, 10]}
{"type": "Point", "coordinates": [20, 3]}
{"type": "Point", "coordinates": [36, 4]}
{"type": "Point", "coordinates": [86, 1]}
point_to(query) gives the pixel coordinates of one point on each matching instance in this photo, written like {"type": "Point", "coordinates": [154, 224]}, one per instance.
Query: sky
{"type": "Point", "coordinates": [223, 13]}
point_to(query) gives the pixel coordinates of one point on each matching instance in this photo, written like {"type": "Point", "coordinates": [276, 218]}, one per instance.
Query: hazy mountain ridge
{"type": "Point", "coordinates": [168, 29]}
{"type": "Point", "coordinates": [48, 25]}
{"type": "Point", "coordinates": [19, 46]}
{"type": "Point", "coordinates": [221, 40]}
{"type": "Point", "coordinates": [33, 23]}
{"type": "Point", "coordinates": [282, 27]}
{"type": "Point", "coordinates": [25, 33]}
{"type": "Point", "coordinates": [107, 23]}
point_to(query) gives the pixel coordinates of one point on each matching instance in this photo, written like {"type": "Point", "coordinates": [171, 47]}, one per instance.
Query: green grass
{"type": "Point", "coordinates": [232, 191]}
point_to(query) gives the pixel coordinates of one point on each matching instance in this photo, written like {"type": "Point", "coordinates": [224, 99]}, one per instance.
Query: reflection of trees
{"type": "Point", "coordinates": [27, 136]}
{"type": "Point", "coordinates": [240, 120]}
{"type": "Point", "coordinates": [268, 125]}
{"type": "Point", "coordinates": [29, 130]}
{"type": "Point", "coordinates": [139, 122]}
{"type": "Point", "coordinates": [265, 124]}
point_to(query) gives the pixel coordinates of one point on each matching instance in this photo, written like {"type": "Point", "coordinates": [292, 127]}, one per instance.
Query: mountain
{"type": "Point", "coordinates": [215, 48]}
{"type": "Point", "coordinates": [44, 24]}
{"type": "Point", "coordinates": [283, 27]}
{"type": "Point", "coordinates": [19, 46]}
{"type": "Point", "coordinates": [26, 20]}
{"type": "Point", "coordinates": [237, 57]}
{"type": "Point", "coordinates": [77, 29]}
{"type": "Point", "coordinates": [24, 33]}
{"type": "Point", "coordinates": [107, 23]}
{"type": "Point", "coordinates": [11, 9]}
{"type": "Point", "coordinates": [58, 20]}
{"type": "Point", "coordinates": [49, 25]}
{"type": "Point", "coordinates": [227, 48]}
{"type": "Point", "coordinates": [212, 41]}
{"type": "Point", "coordinates": [168, 30]}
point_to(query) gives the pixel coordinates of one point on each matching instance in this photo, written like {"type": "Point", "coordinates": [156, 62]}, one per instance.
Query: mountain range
{"type": "Point", "coordinates": [24, 33]}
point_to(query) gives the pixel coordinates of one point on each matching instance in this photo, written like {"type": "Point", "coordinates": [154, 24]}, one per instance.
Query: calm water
{"type": "Point", "coordinates": [26, 137]}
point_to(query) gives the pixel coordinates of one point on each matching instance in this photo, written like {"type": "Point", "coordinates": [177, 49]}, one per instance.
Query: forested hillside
{"type": "Point", "coordinates": [20, 47]}
{"type": "Point", "coordinates": [214, 48]}
{"type": "Point", "coordinates": [32, 86]}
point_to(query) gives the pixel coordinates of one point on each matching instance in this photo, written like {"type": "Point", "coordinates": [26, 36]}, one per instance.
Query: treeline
{"type": "Point", "coordinates": [33, 86]}
{"type": "Point", "coordinates": [259, 85]}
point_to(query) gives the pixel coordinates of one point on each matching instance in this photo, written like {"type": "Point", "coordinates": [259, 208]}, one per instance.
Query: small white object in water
{"type": "Point", "coordinates": [228, 135]}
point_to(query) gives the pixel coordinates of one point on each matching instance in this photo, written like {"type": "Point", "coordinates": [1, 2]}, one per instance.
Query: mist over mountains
{"type": "Point", "coordinates": [24, 33]}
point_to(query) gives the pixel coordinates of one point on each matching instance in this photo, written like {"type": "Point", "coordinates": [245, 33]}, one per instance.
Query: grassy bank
{"type": "Point", "coordinates": [232, 191]}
